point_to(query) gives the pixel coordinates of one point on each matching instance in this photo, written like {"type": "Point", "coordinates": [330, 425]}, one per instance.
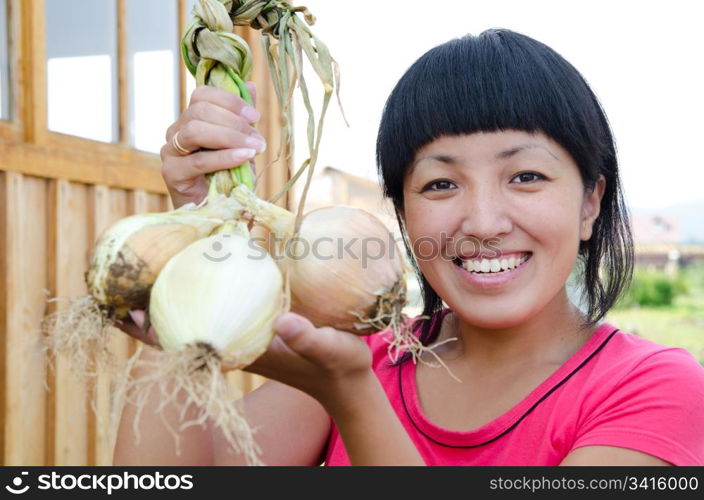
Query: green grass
{"type": "Point", "coordinates": [678, 325]}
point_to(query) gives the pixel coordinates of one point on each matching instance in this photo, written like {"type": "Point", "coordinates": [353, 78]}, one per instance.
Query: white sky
{"type": "Point", "coordinates": [643, 59]}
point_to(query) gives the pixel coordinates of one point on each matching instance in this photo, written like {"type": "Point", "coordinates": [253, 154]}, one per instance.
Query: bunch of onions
{"type": "Point", "coordinates": [126, 261]}
{"type": "Point", "coordinates": [214, 303]}
{"type": "Point", "coordinates": [130, 254]}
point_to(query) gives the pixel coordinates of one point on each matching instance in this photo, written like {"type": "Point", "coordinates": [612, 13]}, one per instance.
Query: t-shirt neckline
{"type": "Point", "coordinates": [504, 423]}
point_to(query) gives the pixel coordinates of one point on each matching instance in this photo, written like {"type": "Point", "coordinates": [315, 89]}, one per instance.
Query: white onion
{"type": "Point", "coordinates": [221, 291]}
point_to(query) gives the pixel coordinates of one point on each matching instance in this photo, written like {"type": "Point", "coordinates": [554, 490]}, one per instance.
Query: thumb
{"type": "Point", "coordinates": [295, 330]}
{"type": "Point", "coordinates": [290, 325]}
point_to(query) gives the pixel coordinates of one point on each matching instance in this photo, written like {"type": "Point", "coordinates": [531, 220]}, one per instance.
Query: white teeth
{"type": "Point", "coordinates": [494, 265]}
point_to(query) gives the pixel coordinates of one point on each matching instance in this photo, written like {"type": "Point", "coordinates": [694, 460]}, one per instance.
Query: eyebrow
{"type": "Point", "coordinates": [446, 159]}
{"type": "Point", "coordinates": [452, 160]}
{"type": "Point", "coordinates": [523, 147]}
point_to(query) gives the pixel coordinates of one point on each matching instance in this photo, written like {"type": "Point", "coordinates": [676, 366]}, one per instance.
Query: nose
{"type": "Point", "coordinates": [486, 214]}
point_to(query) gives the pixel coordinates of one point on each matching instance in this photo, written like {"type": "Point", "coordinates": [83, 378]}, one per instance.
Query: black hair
{"type": "Point", "coordinates": [503, 80]}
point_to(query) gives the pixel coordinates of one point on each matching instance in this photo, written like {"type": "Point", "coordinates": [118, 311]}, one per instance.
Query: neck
{"type": "Point", "coordinates": [550, 337]}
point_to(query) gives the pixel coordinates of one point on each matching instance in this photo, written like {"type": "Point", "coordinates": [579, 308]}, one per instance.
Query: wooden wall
{"type": "Point", "coordinates": [57, 193]}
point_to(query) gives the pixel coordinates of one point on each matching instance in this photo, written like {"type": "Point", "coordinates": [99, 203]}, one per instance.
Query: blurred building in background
{"type": "Point", "coordinates": [331, 186]}
{"type": "Point", "coordinates": [649, 229]}
{"type": "Point", "coordinates": [662, 243]}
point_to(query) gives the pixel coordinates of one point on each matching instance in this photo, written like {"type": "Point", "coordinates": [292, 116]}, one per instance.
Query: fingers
{"type": "Point", "coordinates": [198, 134]}
{"type": "Point", "coordinates": [135, 328]}
{"type": "Point", "coordinates": [215, 133]}
{"type": "Point", "coordinates": [226, 100]}
{"type": "Point", "coordinates": [309, 342]}
{"type": "Point", "coordinates": [210, 112]}
{"type": "Point", "coordinates": [213, 109]}
{"type": "Point", "coordinates": [184, 174]}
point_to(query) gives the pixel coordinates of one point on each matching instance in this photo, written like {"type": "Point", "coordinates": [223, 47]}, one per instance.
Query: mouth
{"type": "Point", "coordinates": [493, 267]}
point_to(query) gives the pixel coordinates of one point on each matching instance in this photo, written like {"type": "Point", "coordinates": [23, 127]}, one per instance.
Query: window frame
{"type": "Point", "coordinates": [26, 143]}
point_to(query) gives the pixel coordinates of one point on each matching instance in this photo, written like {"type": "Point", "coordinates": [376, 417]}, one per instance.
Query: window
{"type": "Point", "coordinates": [81, 51]}
{"type": "Point", "coordinates": [153, 66]}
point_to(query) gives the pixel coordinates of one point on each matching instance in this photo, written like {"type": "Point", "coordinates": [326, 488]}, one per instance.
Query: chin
{"type": "Point", "coordinates": [490, 318]}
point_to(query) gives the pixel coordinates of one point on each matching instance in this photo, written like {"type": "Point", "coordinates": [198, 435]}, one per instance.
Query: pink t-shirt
{"type": "Point", "coordinates": [617, 390]}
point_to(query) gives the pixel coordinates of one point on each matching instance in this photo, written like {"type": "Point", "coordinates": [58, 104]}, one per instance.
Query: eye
{"type": "Point", "coordinates": [440, 185]}
{"type": "Point", "coordinates": [527, 177]}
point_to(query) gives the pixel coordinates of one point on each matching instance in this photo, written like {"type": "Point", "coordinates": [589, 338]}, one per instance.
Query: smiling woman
{"type": "Point", "coordinates": [529, 202]}
{"type": "Point", "coordinates": [503, 173]}
{"type": "Point", "coordinates": [511, 165]}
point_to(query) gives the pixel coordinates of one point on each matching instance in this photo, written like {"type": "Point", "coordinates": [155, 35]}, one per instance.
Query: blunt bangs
{"type": "Point", "coordinates": [499, 80]}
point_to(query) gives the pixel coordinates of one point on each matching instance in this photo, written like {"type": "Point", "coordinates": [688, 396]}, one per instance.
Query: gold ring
{"type": "Point", "coordinates": [174, 142]}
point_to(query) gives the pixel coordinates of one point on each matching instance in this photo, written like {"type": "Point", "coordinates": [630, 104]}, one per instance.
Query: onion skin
{"type": "Point", "coordinates": [130, 254]}
{"type": "Point", "coordinates": [136, 264]}
{"type": "Point", "coordinates": [356, 268]}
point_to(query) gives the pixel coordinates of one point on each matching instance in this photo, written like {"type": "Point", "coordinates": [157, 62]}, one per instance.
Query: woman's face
{"type": "Point", "coordinates": [495, 220]}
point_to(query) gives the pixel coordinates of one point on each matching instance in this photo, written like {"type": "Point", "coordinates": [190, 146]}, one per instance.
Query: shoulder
{"type": "Point", "coordinates": [628, 357]}
{"type": "Point", "coordinates": [646, 397]}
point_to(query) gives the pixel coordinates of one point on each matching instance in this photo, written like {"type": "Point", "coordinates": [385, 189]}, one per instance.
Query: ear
{"type": "Point", "coordinates": [591, 207]}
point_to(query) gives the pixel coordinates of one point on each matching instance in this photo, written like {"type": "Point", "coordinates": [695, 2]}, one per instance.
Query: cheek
{"type": "Point", "coordinates": [424, 221]}
{"type": "Point", "coordinates": [554, 216]}
{"type": "Point", "coordinates": [427, 228]}
{"type": "Point", "coordinates": [424, 235]}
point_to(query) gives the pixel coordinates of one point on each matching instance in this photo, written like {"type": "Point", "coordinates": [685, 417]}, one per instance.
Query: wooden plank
{"type": "Point", "coordinates": [139, 202]}
{"type": "Point", "coordinates": [111, 151]}
{"type": "Point", "coordinates": [25, 299]}
{"type": "Point", "coordinates": [120, 343]}
{"type": "Point", "coordinates": [99, 419]}
{"type": "Point", "coordinates": [169, 203]}
{"type": "Point", "coordinates": [256, 381]}
{"type": "Point", "coordinates": [12, 130]}
{"type": "Point", "coordinates": [68, 255]}
{"type": "Point", "coordinates": [156, 203]}
{"type": "Point", "coordinates": [32, 69]}
{"type": "Point", "coordinates": [140, 170]}
{"type": "Point", "coordinates": [243, 381]}
{"type": "Point", "coordinates": [123, 133]}
{"type": "Point", "coordinates": [97, 203]}
{"type": "Point", "coordinates": [105, 209]}
{"type": "Point", "coordinates": [4, 388]}
{"type": "Point", "coordinates": [240, 380]}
